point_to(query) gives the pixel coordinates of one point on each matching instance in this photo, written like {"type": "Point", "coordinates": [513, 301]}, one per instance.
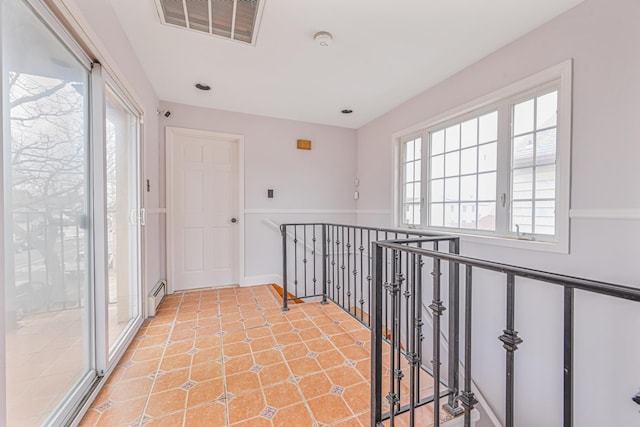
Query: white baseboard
{"type": "Point", "coordinates": [264, 279]}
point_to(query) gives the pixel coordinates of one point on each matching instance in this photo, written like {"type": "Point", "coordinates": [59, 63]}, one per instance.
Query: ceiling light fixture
{"type": "Point", "coordinates": [203, 86]}
{"type": "Point", "coordinates": [347, 111]}
{"type": "Point", "coordinates": [323, 38]}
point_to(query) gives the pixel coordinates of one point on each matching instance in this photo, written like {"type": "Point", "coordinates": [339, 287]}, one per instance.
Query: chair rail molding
{"type": "Point", "coordinates": [610, 214]}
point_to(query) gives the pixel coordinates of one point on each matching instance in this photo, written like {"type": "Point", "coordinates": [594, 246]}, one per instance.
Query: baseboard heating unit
{"type": "Point", "coordinates": [155, 296]}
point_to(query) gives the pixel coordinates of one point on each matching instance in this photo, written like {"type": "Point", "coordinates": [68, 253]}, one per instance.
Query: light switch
{"type": "Point", "coordinates": [270, 193]}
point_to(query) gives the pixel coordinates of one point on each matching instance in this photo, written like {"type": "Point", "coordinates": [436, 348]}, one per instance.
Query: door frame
{"type": "Point", "coordinates": [171, 133]}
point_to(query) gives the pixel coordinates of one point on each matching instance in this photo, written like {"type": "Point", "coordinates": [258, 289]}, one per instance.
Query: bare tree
{"type": "Point", "coordinates": [48, 136]}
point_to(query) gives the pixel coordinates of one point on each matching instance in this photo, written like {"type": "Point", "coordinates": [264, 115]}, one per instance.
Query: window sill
{"type": "Point", "coordinates": [561, 246]}
{"type": "Point", "coordinates": [510, 242]}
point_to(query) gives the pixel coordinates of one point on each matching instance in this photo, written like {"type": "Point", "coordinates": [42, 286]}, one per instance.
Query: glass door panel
{"type": "Point", "coordinates": [46, 206]}
{"type": "Point", "coordinates": [123, 218]}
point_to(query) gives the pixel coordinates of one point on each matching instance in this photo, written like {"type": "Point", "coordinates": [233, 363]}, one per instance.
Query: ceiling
{"type": "Point", "coordinates": [383, 53]}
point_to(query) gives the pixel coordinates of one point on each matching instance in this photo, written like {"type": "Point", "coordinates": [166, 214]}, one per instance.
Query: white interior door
{"type": "Point", "coordinates": [202, 209]}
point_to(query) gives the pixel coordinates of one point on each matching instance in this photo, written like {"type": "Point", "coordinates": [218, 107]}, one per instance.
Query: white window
{"type": "Point", "coordinates": [497, 167]}
{"type": "Point", "coordinates": [462, 176]}
{"type": "Point", "coordinates": [411, 182]}
{"type": "Point", "coordinates": [533, 165]}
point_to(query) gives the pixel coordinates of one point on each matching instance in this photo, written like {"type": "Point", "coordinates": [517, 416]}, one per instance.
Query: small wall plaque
{"type": "Point", "coordinates": [304, 144]}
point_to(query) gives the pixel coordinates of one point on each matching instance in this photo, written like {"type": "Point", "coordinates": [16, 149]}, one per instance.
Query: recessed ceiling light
{"type": "Point", "coordinates": [347, 111]}
{"type": "Point", "coordinates": [323, 38]}
{"type": "Point", "coordinates": [203, 86]}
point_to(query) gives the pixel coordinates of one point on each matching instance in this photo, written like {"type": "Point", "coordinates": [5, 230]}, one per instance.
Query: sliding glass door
{"type": "Point", "coordinates": [48, 285]}
{"type": "Point", "coordinates": [123, 217]}
{"type": "Point", "coordinates": [71, 218]}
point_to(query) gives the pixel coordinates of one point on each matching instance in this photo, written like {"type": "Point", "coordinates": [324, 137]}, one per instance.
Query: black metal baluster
{"type": "Point", "coordinates": [419, 337]}
{"type": "Point", "coordinates": [334, 248]}
{"type": "Point", "coordinates": [510, 342]}
{"type": "Point", "coordinates": [77, 261]}
{"type": "Point", "coordinates": [339, 270]}
{"type": "Point", "coordinates": [45, 232]}
{"type": "Point", "coordinates": [452, 406]}
{"type": "Point", "coordinates": [437, 308]}
{"type": "Point", "coordinates": [568, 356]}
{"type": "Point", "coordinates": [337, 284]}
{"type": "Point", "coordinates": [295, 259]}
{"type": "Point", "coordinates": [29, 260]}
{"type": "Point", "coordinates": [304, 257]}
{"type": "Point", "coordinates": [393, 288]}
{"type": "Point", "coordinates": [325, 260]}
{"type": "Point", "coordinates": [361, 301]}
{"type": "Point", "coordinates": [467, 399]}
{"type": "Point", "coordinates": [397, 326]}
{"type": "Point", "coordinates": [348, 271]}
{"type": "Point", "coordinates": [412, 355]}
{"type": "Point", "coordinates": [283, 232]}
{"type": "Point", "coordinates": [342, 281]}
{"type": "Point", "coordinates": [408, 327]}
{"type": "Point", "coordinates": [375, 316]}
{"type": "Point", "coordinates": [355, 273]}
{"type": "Point", "coordinates": [407, 295]}
{"type": "Point", "coordinates": [64, 282]}
{"type": "Point", "coordinates": [327, 249]}
{"type": "Point", "coordinates": [313, 253]}
{"type": "Point", "coordinates": [369, 276]}
{"type": "Point", "coordinates": [387, 326]}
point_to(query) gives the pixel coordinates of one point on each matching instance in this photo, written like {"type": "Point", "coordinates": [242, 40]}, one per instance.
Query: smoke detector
{"type": "Point", "coordinates": [323, 38]}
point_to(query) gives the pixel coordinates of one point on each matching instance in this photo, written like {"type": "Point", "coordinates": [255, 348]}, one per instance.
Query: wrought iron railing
{"type": "Point", "coordinates": [381, 277]}
{"type": "Point", "coordinates": [48, 265]}
{"type": "Point", "coordinates": [334, 262]}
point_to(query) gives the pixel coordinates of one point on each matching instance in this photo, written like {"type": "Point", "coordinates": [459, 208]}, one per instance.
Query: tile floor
{"type": "Point", "coordinates": [44, 360]}
{"type": "Point", "coordinates": [230, 357]}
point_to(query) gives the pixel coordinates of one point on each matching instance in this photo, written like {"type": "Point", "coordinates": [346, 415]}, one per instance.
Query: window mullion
{"type": "Point", "coordinates": [424, 177]}
{"type": "Point", "coordinates": [503, 190]}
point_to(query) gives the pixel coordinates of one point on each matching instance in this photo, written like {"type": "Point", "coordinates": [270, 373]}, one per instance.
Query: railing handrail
{"type": "Point", "coordinates": [409, 231]}
{"type": "Point", "coordinates": [599, 287]}
{"type": "Point", "coordinates": [595, 286]}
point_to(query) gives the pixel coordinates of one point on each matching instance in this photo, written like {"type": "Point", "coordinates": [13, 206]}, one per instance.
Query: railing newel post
{"type": "Point", "coordinates": [437, 309]}
{"type": "Point", "coordinates": [569, 301]}
{"type": "Point", "coordinates": [376, 337]}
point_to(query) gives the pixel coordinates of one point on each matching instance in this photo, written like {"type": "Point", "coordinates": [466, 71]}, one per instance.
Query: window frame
{"type": "Point", "coordinates": [401, 181]}
{"type": "Point", "coordinates": [556, 77]}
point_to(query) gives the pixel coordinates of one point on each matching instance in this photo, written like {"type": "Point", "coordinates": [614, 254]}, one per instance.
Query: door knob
{"type": "Point", "coordinates": [234, 220]}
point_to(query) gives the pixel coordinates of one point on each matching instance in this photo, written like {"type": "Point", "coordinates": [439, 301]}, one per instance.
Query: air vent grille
{"type": "Point", "coordinates": [231, 19]}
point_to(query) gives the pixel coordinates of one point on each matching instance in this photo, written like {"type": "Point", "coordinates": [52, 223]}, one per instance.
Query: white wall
{"type": "Point", "coordinates": [601, 36]}
{"type": "Point", "coordinates": [309, 186]}
{"type": "Point", "coordinates": [99, 22]}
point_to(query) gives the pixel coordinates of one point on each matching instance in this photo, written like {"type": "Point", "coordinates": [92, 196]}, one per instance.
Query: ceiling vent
{"type": "Point", "coordinates": [231, 19]}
